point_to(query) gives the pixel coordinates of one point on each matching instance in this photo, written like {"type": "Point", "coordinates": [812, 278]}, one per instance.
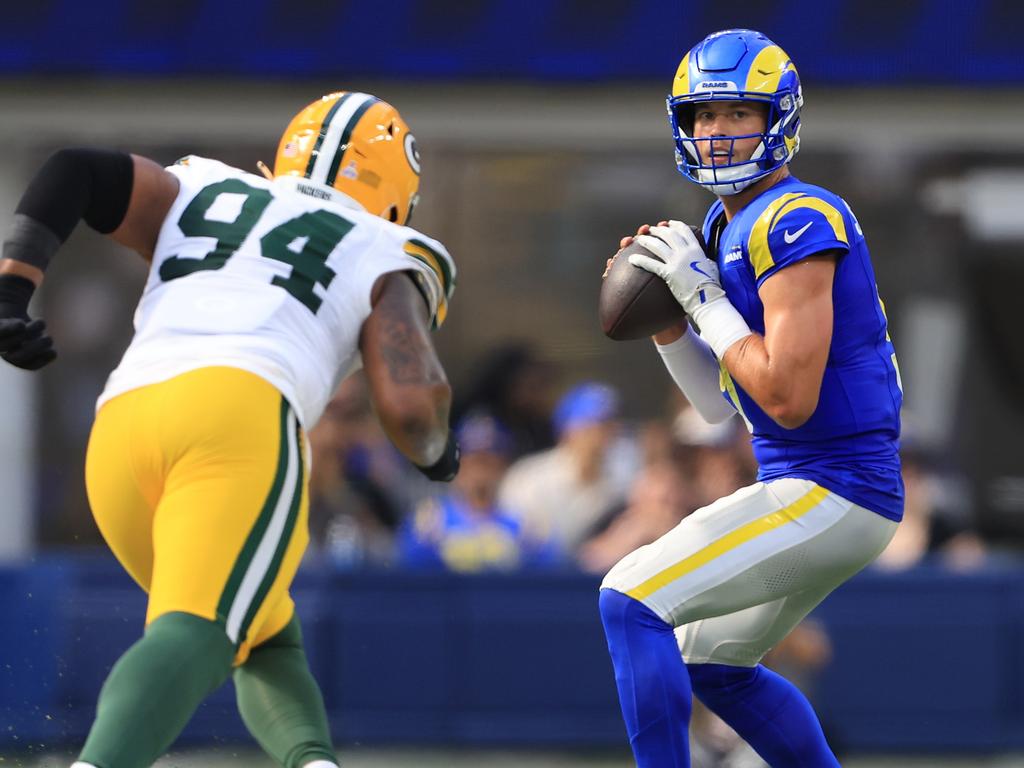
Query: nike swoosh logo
{"type": "Point", "coordinates": [695, 268]}
{"type": "Point", "coordinates": [791, 237]}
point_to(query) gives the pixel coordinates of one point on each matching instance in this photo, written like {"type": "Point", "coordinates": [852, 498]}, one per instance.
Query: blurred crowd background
{"type": "Point", "coordinates": [562, 480]}
{"type": "Point", "coordinates": [543, 141]}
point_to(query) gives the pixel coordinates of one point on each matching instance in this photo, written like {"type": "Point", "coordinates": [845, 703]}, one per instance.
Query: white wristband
{"type": "Point", "coordinates": [721, 325]}
{"type": "Point", "coordinates": [694, 369]}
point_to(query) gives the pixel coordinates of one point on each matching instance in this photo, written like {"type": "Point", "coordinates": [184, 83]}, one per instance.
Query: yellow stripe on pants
{"type": "Point", "coordinates": [729, 542]}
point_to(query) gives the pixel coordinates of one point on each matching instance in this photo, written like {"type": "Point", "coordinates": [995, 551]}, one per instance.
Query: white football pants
{"type": "Point", "coordinates": [737, 575]}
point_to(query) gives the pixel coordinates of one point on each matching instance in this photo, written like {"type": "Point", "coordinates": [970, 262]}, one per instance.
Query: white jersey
{"type": "Point", "coordinates": [273, 277]}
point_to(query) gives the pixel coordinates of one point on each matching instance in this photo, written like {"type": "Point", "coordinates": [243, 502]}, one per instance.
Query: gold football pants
{"type": "Point", "coordinates": [199, 486]}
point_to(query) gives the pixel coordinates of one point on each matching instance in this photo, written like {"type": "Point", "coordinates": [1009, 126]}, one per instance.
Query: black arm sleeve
{"type": "Point", "coordinates": [74, 184]}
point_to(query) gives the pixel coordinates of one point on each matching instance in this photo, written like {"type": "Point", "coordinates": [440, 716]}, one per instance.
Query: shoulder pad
{"type": "Point", "coordinates": [792, 226]}
{"type": "Point", "coordinates": [437, 269]}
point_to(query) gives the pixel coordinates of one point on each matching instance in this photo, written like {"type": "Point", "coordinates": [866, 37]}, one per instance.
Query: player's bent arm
{"type": "Point", "coordinates": [407, 383]}
{"type": "Point", "coordinates": [694, 368]}
{"type": "Point", "coordinates": [121, 195]}
{"type": "Point", "coordinates": [100, 187]}
{"type": "Point", "coordinates": [154, 190]}
{"type": "Point", "coordinates": [782, 370]}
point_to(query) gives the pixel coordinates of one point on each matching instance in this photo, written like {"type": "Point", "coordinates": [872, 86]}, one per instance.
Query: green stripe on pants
{"type": "Point", "coordinates": [283, 542]}
{"type": "Point", "coordinates": [259, 529]}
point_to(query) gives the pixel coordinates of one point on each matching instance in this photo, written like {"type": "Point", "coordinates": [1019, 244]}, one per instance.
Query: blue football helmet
{"type": "Point", "coordinates": [736, 65]}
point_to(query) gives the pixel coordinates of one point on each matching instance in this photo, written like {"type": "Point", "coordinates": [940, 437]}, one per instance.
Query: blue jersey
{"type": "Point", "coordinates": [850, 444]}
{"type": "Point", "coordinates": [445, 533]}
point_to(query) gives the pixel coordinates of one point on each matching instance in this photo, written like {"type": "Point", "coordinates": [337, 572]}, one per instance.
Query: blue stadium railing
{"type": "Point", "coordinates": [923, 661]}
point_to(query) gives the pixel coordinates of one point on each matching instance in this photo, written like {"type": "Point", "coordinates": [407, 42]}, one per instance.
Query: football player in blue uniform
{"type": "Point", "coordinates": [792, 335]}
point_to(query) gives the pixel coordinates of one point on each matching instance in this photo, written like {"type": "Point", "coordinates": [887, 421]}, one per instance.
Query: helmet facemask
{"type": "Point", "coordinates": [732, 176]}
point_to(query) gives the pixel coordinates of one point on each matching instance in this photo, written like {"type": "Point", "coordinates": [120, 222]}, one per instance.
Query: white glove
{"type": "Point", "coordinates": [689, 273]}
{"type": "Point", "coordinates": [693, 279]}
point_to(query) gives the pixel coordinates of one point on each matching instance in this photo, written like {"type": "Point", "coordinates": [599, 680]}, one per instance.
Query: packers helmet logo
{"type": "Point", "coordinates": [412, 154]}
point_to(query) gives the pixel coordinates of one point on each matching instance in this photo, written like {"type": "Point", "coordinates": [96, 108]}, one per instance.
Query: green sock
{"type": "Point", "coordinates": [154, 688]}
{"type": "Point", "coordinates": [280, 702]}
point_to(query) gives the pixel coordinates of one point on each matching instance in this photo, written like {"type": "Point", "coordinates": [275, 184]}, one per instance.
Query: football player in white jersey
{"type": "Point", "coordinates": [263, 294]}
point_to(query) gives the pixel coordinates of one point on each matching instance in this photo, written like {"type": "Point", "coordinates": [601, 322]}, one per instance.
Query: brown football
{"type": "Point", "coordinates": [635, 303]}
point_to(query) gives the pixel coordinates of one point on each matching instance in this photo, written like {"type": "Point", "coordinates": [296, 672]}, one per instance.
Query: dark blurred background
{"type": "Point", "coordinates": [544, 140]}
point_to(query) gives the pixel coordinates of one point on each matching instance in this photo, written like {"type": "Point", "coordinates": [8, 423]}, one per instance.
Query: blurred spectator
{"type": "Point", "coordinates": [717, 457]}
{"type": "Point", "coordinates": [564, 494]}
{"type": "Point", "coordinates": [658, 500]}
{"type": "Point", "coordinates": [801, 654]}
{"type": "Point", "coordinates": [465, 530]}
{"type": "Point", "coordinates": [656, 443]}
{"type": "Point", "coordinates": [936, 521]}
{"type": "Point", "coordinates": [686, 466]}
{"type": "Point", "coordinates": [355, 482]}
{"type": "Point", "coordinates": [515, 386]}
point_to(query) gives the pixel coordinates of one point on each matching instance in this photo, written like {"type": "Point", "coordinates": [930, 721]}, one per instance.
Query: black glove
{"type": "Point", "coordinates": [23, 342]}
{"type": "Point", "coordinates": [446, 468]}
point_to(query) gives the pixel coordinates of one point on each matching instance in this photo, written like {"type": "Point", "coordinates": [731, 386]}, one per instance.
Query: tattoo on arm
{"type": "Point", "coordinates": [407, 383]}
{"type": "Point", "coordinates": [401, 350]}
{"type": "Point", "coordinates": [407, 353]}
{"type": "Point", "coordinates": [402, 339]}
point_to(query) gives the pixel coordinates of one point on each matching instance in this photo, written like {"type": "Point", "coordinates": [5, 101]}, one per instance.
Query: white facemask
{"type": "Point", "coordinates": [721, 181]}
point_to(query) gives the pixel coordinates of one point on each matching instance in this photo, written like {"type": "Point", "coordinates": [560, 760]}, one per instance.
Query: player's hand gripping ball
{"type": "Point", "coordinates": [635, 303]}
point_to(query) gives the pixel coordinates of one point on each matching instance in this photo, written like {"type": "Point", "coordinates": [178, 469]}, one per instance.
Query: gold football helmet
{"type": "Point", "coordinates": [359, 145]}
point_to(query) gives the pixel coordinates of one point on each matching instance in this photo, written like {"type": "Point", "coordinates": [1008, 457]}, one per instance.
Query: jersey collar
{"type": "Point", "coordinates": [318, 191]}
